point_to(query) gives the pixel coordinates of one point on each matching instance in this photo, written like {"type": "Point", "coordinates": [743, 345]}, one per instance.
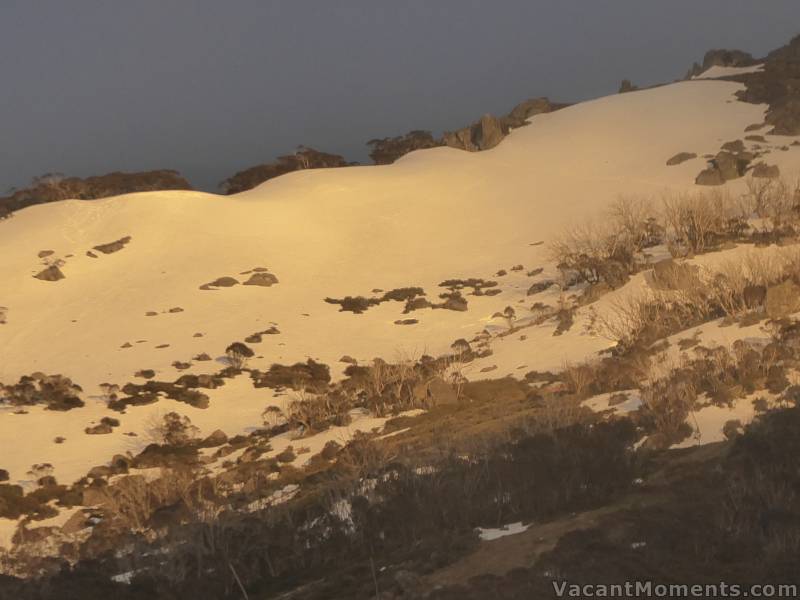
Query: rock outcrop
{"type": "Point", "coordinates": [483, 135]}
{"type": "Point", "coordinates": [490, 130]}
{"type": "Point", "coordinates": [519, 115]}
{"type": "Point", "coordinates": [777, 85]}
{"type": "Point", "coordinates": [721, 58]}
{"type": "Point", "coordinates": [730, 163]}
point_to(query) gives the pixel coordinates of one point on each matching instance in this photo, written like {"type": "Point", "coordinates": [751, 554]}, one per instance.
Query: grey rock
{"type": "Point", "coordinates": [263, 279]}
{"type": "Point", "coordinates": [681, 157]}
{"type": "Point", "coordinates": [51, 273]}
{"type": "Point", "coordinates": [766, 171]}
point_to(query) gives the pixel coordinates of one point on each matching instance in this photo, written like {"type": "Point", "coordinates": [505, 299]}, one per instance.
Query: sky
{"type": "Point", "coordinates": [210, 87]}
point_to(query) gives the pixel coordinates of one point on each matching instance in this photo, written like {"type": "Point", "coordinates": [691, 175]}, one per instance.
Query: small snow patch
{"type": "Point", "coordinates": [488, 535]}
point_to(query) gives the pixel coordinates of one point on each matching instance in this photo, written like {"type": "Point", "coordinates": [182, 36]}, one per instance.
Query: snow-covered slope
{"type": "Point", "coordinates": [434, 215]}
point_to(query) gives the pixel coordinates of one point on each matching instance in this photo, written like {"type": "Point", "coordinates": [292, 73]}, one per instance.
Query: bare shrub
{"type": "Point", "coordinates": [109, 392]}
{"type": "Point", "coordinates": [667, 403]}
{"type": "Point", "coordinates": [309, 413]}
{"type": "Point", "coordinates": [238, 353]}
{"type": "Point", "coordinates": [773, 199]}
{"type": "Point", "coordinates": [134, 500]}
{"type": "Point", "coordinates": [635, 221]}
{"type": "Point", "coordinates": [609, 250]}
{"type": "Point", "coordinates": [578, 377]}
{"type": "Point", "coordinates": [627, 318]}
{"type": "Point", "coordinates": [171, 429]}
{"type": "Point", "coordinates": [273, 416]}
{"type": "Point", "coordinates": [584, 250]}
{"type": "Point", "coordinates": [696, 222]}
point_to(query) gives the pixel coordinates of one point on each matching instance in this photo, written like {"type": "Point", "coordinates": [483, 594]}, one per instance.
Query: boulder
{"type": "Point", "coordinates": [114, 246]}
{"type": "Point", "coordinates": [220, 282]}
{"type": "Point", "coordinates": [490, 132]}
{"type": "Point", "coordinates": [120, 463]}
{"type": "Point", "coordinates": [726, 165]}
{"type": "Point", "coordinates": [461, 139]}
{"type": "Point", "coordinates": [730, 165]}
{"type": "Point", "coordinates": [483, 135]}
{"type": "Point", "coordinates": [51, 273]}
{"type": "Point", "coordinates": [681, 157]}
{"type": "Point", "coordinates": [766, 171]}
{"type": "Point", "coordinates": [523, 111]}
{"type": "Point", "coordinates": [782, 299]}
{"type": "Point", "coordinates": [734, 147]}
{"type": "Point", "coordinates": [710, 176]}
{"type": "Point", "coordinates": [99, 429]}
{"type": "Point", "coordinates": [99, 472]}
{"type": "Point", "coordinates": [262, 279]}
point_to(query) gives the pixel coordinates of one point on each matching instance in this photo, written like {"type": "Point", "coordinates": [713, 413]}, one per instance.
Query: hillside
{"type": "Point", "coordinates": [443, 255]}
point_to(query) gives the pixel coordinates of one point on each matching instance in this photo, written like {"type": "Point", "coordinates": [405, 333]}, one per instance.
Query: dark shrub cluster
{"type": "Point", "coordinates": [55, 392]}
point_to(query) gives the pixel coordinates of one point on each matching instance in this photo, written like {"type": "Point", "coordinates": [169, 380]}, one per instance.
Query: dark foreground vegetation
{"type": "Point", "coordinates": [726, 512]}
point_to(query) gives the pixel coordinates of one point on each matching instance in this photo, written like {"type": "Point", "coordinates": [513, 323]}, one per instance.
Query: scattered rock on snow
{"type": "Point", "coordinates": [406, 322]}
{"type": "Point", "coordinates": [262, 279]}
{"type": "Point", "coordinates": [114, 246]}
{"type": "Point", "coordinates": [220, 282]}
{"type": "Point", "coordinates": [681, 157]}
{"type": "Point", "coordinates": [51, 273]}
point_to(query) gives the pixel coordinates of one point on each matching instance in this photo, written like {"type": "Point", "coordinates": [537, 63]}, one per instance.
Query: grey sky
{"type": "Point", "coordinates": [209, 87]}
